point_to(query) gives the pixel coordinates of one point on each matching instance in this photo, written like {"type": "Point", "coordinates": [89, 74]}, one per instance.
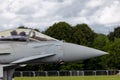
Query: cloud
{"type": "Point", "coordinates": [110, 14]}
{"type": "Point", "coordinates": [43, 13]}
{"type": "Point", "coordinates": [94, 3]}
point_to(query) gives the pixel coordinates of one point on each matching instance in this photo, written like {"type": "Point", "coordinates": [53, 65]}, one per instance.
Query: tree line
{"type": "Point", "coordinates": [82, 34]}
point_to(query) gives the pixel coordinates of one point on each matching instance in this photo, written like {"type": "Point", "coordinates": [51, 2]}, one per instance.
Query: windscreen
{"type": "Point", "coordinates": [24, 35]}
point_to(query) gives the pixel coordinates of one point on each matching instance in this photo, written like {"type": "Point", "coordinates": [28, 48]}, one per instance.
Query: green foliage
{"type": "Point", "coordinates": [83, 35]}
{"type": "Point", "coordinates": [80, 34]}
{"type": "Point", "coordinates": [61, 31]}
{"type": "Point", "coordinates": [72, 66]}
{"type": "Point", "coordinates": [111, 36]}
{"type": "Point", "coordinates": [100, 41]}
{"type": "Point", "coordinates": [114, 34]}
{"type": "Point", "coordinates": [117, 32]}
{"type": "Point", "coordinates": [94, 64]}
{"type": "Point", "coordinates": [113, 59]}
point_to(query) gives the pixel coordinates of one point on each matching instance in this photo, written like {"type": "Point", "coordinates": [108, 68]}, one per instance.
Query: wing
{"type": "Point", "coordinates": [31, 58]}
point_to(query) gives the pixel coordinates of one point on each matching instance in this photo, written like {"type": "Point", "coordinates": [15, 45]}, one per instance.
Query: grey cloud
{"type": "Point", "coordinates": [55, 0]}
{"type": "Point", "coordinates": [73, 11]}
{"type": "Point", "coordinates": [60, 0]}
{"type": "Point", "coordinates": [26, 11]}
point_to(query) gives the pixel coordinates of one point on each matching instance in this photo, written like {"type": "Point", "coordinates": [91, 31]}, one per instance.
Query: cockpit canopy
{"type": "Point", "coordinates": [23, 35]}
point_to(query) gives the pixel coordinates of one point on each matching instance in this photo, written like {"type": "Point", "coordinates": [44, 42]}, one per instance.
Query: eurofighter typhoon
{"type": "Point", "coordinates": [26, 46]}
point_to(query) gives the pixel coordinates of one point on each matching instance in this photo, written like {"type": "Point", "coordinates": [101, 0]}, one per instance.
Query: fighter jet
{"type": "Point", "coordinates": [27, 46]}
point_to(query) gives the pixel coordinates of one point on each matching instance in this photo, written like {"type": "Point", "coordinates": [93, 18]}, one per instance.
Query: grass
{"type": "Point", "coordinates": [71, 78]}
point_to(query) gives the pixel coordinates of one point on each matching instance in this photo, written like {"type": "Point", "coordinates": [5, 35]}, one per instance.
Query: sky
{"type": "Point", "coordinates": [101, 15]}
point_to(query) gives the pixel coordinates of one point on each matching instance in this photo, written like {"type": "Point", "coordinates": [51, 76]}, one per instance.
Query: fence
{"type": "Point", "coordinates": [66, 73]}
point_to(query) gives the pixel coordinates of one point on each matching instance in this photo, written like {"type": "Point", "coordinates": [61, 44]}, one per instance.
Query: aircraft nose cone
{"type": "Point", "coordinates": [74, 52]}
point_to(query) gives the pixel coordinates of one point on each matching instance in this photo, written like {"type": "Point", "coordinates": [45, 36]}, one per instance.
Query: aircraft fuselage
{"type": "Point", "coordinates": [12, 51]}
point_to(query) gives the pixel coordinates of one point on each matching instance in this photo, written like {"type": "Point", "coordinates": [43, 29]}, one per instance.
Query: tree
{"type": "Point", "coordinates": [114, 34]}
{"type": "Point", "coordinates": [72, 66]}
{"type": "Point", "coordinates": [100, 41]}
{"type": "Point", "coordinates": [61, 31]}
{"type": "Point", "coordinates": [113, 59]}
{"type": "Point", "coordinates": [117, 32]}
{"type": "Point", "coordinates": [83, 35]}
